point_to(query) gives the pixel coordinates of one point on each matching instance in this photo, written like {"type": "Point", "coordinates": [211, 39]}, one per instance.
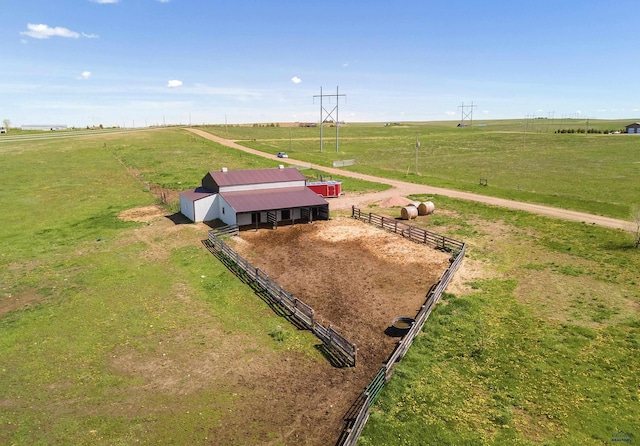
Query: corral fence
{"type": "Point", "coordinates": [356, 422]}
{"type": "Point", "coordinates": [411, 232]}
{"type": "Point", "coordinates": [340, 349]}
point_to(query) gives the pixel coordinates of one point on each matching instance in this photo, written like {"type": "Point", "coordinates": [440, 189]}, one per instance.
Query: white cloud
{"type": "Point", "coordinates": [296, 80]}
{"type": "Point", "coordinates": [90, 36]}
{"type": "Point", "coordinates": [42, 31]}
{"type": "Point", "coordinates": [174, 83]}
{"type": "Point", "coordinates": [450, 113]}
{"type": "Point", "coordinates": [85, 75]}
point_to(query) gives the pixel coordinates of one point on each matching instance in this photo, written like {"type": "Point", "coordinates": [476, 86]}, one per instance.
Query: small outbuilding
{"type": "Point", "coordinates": [633, 128]}
{"type": "Point", "coordinates": [253, 198]}
{"type": "Point", "coordinates": [328, 189]}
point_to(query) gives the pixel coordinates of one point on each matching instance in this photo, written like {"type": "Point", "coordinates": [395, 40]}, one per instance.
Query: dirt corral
{"type": "Point", "coordinates": [355, 276]}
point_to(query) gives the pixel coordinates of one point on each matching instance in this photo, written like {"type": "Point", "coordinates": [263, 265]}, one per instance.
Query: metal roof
{"type": "Point", "coordinates": [256, 176]}
{"type": "Point", "coordinates": [196, 194]}
{"type": "Point", "coordinates": [272, 199]}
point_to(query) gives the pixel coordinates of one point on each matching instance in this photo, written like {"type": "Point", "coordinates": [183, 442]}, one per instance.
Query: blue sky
{"type": "Point", "coordinates": [147, 62]}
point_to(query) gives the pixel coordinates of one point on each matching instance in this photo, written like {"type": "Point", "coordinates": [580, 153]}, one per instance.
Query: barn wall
{"type": "Point", "coordinates": [205, 208]}
{"type": "Point", "coordinates": [262, 186]}
{"type": "Point", "coordinates": [186, 208]}
{"type": "Point", "coordinates": [229, 215]}
{"type": "Point", "coordinates": [244, 219]}
{"type": "Point", "coordinates": [209, 183]}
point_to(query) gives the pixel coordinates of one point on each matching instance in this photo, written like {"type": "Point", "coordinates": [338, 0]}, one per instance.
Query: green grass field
{"type": "Point", "coordinates": [542, 348]}
{"type": "Point", "coordinates": [539, 344]}
{"type": "Point", "coordinates": [524, 161]}
{"type": "Point", "coordinates": [100, 323]}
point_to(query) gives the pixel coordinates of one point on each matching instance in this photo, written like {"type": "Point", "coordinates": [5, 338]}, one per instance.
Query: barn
{"type": "Point", "coordinates": [254, 197]}
{"type": "Point", "coordinates": [633, 128]}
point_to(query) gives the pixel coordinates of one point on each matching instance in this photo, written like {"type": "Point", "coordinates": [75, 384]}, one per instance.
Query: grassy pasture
{"type": "Point", "coordinates": [542, 345]}
{"type": "Point", "coordinates": [539, 344]}
{"type": "Point", "coordinates": [521, 160]}
{"type": "Point", "coordinates": [102, 319]}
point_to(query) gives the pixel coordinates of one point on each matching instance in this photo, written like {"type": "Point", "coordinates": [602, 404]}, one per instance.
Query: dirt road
{"type": "Point", "coordinates": [403, 188]}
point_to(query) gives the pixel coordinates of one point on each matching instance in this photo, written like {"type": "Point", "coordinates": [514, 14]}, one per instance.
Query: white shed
{"type": "Point", "coordinates": [198, 204]}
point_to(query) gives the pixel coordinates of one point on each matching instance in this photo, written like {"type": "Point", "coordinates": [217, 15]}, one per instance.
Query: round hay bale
{"type": "Point", "coordinates": [426, 208]}
{"type": "Point", "coordinates": [408, 212]}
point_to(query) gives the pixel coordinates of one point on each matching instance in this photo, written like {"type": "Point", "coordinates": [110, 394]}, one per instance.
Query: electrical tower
{"type": "Point", "coordinates": [327, 116]}
{"type": "Point", "coordinates": [466, 114]}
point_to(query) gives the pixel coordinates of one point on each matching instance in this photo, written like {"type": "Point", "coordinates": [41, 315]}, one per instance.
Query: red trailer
{"type": "Point", "coordinates": [330, 189]}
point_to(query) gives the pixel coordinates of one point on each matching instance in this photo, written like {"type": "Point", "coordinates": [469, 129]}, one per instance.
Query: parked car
{"type": "Point", "coordinates": [282, 155]}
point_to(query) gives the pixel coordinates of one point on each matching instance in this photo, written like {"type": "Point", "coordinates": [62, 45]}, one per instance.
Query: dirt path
{"type": "Point", "coordinates": [403, 188]}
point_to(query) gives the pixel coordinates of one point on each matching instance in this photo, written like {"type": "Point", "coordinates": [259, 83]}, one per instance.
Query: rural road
{"type": "Point", "coordinates": [402, 188]}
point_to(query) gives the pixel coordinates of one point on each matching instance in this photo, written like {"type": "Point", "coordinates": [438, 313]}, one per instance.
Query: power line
{"type": "Point", "coordinates": [329, 114]}
{"type": "Point", "coordinates": [466, 114]}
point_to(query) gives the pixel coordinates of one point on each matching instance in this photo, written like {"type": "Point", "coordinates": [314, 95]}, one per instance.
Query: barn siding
{"type": "Point", "coordinates": [187, 208]}
{"type": "Point", "coordinates": [263, 186]}
{"type": "Point", "coordinates": [209, 183]}
{"type": "Point", "coordinates": [229, 216]}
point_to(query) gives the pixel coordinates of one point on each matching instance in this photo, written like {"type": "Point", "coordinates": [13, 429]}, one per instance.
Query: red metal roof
{"type": "Point", "coordinates": [272, 199]}
{"type": "Point", "coordinates": [256, 176]}
{"type": "Point", "coordinates": [196, 194]}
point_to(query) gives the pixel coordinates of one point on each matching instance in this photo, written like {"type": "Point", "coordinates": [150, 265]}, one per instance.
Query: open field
{"type": "Point", "coordinates": [521, 160]}
{"type": "Point", "coordinates": [121, 328]}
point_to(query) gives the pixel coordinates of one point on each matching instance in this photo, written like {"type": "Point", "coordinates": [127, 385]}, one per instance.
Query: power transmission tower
{"type": "Point", "coordinates": [328, 115]}
{"type": "Point", "coordinates": [466, 114]}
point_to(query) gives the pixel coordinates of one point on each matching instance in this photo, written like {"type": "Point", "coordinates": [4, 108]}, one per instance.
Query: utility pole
{"type": "Point", "coordinates": [466, 114]}
{"type": "Point", "coordinates": [329, 114]}
{"type": "Point", "coordinates": [417, 147]}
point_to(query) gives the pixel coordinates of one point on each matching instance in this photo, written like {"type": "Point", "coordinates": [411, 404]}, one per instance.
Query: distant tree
{"type": "Point", "coordinates": [7, 124]}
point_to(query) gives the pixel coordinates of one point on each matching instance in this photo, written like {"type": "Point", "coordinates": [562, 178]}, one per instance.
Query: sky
{"type": "Point", "coordinates": [134, 63]}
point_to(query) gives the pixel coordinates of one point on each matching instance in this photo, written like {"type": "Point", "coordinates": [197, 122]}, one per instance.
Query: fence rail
{"type": "Point", "coordinates": [355, 425]}
{"type": "Point", "coordinates": [345, 351]}
{"type": "Point", "coordinates": [411, 232]}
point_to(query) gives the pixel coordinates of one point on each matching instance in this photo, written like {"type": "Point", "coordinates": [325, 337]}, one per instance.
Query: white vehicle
{"type": "Point", "coordinates": [282, 155]}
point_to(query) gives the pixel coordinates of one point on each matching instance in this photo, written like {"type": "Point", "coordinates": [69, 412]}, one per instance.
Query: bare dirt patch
{"type": "Point", "coordinates": [17, 301]}
{"type": "Point", "coordinates": [143, 214]}
{"type": "Point", "coordinates": [355, 276]}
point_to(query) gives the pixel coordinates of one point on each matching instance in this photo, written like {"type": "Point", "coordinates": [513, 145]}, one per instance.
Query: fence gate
{"type": "Point", "coordinates": [272, 217]}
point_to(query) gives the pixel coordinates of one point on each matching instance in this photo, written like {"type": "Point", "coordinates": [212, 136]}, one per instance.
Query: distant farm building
{"type": "Point", "coordinates": [253, 198]}
{"type": "Point", "coordinates": [44, 127]}
{"type": "Point", "coordinates": [633, 128]}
